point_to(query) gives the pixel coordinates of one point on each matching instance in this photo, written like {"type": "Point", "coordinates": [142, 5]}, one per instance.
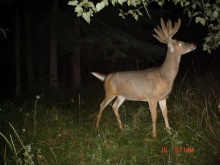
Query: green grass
{"type": "Point", "coordinates": [63, 132]}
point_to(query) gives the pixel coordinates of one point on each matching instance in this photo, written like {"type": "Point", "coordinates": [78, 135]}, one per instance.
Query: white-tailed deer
{"type": "Point", "coordinates": [151, 85]}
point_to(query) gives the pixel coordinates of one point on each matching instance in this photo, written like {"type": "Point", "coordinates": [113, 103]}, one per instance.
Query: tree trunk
{"type": "Point", "coordinates": [17, 54]}
{"type": "Point", "coordinates": [29, 56]}
{"type": "Point", "coordinates": [76, 68]}
{"type": "Point", "coordinates": [53, 82]}
{"type": "Point", "coordinates": [76, 57]}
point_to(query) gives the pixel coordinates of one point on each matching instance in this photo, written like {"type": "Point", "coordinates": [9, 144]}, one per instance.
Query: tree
{"type": "Point", "coordinates": [69, 39]}
{"type": "Point", "coordinates": [29, 56]}
{"type": "Point", "coordinates": [53, 48]}
{"type": "Point", "coordinates": [205, 12]}
{"type": "Point", "coordinates": [76, 57]}
{"type": "Point", "coordinates": [17, 53]}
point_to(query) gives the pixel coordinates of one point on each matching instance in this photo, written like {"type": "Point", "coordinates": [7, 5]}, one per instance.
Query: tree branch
{"type": "Point", "coordinates": [146, 8]}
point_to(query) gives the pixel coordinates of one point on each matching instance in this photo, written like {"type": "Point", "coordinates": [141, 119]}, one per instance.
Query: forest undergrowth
{"type": "Point", "coordinates": [62, 131]}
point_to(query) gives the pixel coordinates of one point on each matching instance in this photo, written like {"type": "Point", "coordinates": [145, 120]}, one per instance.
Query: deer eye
{"type": "Point", "coordinates": [181, 44]}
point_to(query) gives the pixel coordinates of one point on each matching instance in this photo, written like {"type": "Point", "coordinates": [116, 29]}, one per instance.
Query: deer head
{"type": "Point", "coordinates": [165, 34]}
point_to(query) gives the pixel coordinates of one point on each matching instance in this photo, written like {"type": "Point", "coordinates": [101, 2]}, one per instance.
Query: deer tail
{"type": "Point", "coordinates": [99, 76]}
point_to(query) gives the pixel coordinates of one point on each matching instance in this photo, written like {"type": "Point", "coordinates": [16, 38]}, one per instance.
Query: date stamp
{"type": "Point", "coordinates": [176, 150]}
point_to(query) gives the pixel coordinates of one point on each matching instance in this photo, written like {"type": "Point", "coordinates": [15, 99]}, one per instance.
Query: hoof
{"type": "Point", "coordinates": [169, 131]}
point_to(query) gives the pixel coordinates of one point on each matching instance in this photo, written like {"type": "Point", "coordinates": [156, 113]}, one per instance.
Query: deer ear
{"type": "Point", "coordinates": [170, 46]}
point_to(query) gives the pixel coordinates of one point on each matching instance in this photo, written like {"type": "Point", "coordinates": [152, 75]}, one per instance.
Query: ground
{"type": "Point", "coordinates": [41, 130]}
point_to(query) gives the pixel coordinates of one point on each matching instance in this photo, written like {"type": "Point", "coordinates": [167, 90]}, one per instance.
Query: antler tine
{"type": "Point", "coordinates": [169, 26]}
{"type": "Point", "coordinates": [175, 28]}
{"type": "Point", "coordinates": [159, 39]}
{"type": "Point", "coordinates": [166, 31]}
{"type": "Point", "coordinates": [160, 35]}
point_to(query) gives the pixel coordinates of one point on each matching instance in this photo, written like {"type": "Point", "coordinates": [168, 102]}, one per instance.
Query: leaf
{"type": "Point", "coordinates": [215, 14]}
{"type": "Point", "coordinates": [73, 3]}
{"type": "Point", "coordinates": [211, 25]}
{"type": "Point", "coordinates": [133, 3]}
{"type": "Point", "coordinates": [129, 2]}
{"type": "Point", "coordinates": [2, 32]}
{"type": "Point", "coordinates": [208, 12]}
{"type": "Point", "coordinates": [206, 5]}
{"type": "Point", "coordinates": [120, 2]}
{"type": "Point", "coordinates": [195, 14]}
{"type": "Point", "coordinates": [131, 12]}
{"type": "Point", "coordinates": [86, 16]}
{"type": "Point", "coordinates": [189, 14]}
{"type": "Point", "coordinates": [78, 10]}
{"type": "Point", "coordinates": [160, 3]}
{"type": "Point", "coordinates": [122, 15]}
{"type": "Point", "coordinates": [100, 6]}
{"type": "Point", "coordinates": [85, 1]}
{"type": "Point", "coordinates": [202, 21]}
{"type": "Point", "coordinates": [91, 5]}
{"type": "Point", "coordinates": [114, 2]}
{"type": "Point", "coordinates": [135, 16]}
{"type": "Point", "coordinates": [187, 3]}
{"type": "Point", "coordinates": [139, 13]}
{"type": "Point", "coordinates": [105, 2]}
{"type": "Point", "coordinates": [198, 19]}
{"type": "Point", "coordinates": [91, 12]}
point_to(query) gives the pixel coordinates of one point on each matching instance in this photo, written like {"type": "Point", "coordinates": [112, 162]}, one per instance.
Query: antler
{"type": "Point", "coordinates": [166, 33]}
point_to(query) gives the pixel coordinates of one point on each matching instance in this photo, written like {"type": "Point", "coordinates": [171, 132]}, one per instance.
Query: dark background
{"type": "Point", "coordinates": [105, 44]}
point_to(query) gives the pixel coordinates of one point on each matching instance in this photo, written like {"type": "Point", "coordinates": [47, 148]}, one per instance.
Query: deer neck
{"type": "Point", "coordinates": [170, 66]}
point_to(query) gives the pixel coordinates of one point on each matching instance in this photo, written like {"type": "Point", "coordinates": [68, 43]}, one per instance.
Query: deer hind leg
{"type": "Point", "coordinates": [153, 111]}
{"type": "Point", "coordinates": [104, 103]}
{"type": "Point", "coordinates": [115, 107]}
{"type": "Point", "coordinates": [163, 107]}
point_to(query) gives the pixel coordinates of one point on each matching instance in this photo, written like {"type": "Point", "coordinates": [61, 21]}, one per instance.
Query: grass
{"type": "Point", "coordinates": [63, 132]}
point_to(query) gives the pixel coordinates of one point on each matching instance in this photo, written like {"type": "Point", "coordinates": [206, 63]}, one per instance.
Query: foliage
{"type": "Point", "coordinates": [114, 44]}
{"type": "Point", "coordinates": [204, 12]}
{"type": "Point", "coordinates": [26, 157]}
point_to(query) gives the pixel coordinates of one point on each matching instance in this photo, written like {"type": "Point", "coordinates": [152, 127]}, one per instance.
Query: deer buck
{"type": "Point", "coordinates": [151, 85]}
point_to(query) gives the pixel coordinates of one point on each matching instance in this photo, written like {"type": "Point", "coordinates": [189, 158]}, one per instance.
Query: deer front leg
{"type": "Point", "coordinates": [153, 111]}
{"type": "Point", "coordinates": [163, 107]}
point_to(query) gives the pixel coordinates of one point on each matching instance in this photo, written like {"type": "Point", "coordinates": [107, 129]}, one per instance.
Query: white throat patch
{"type": "Point", "coordinates": [170, 45]}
